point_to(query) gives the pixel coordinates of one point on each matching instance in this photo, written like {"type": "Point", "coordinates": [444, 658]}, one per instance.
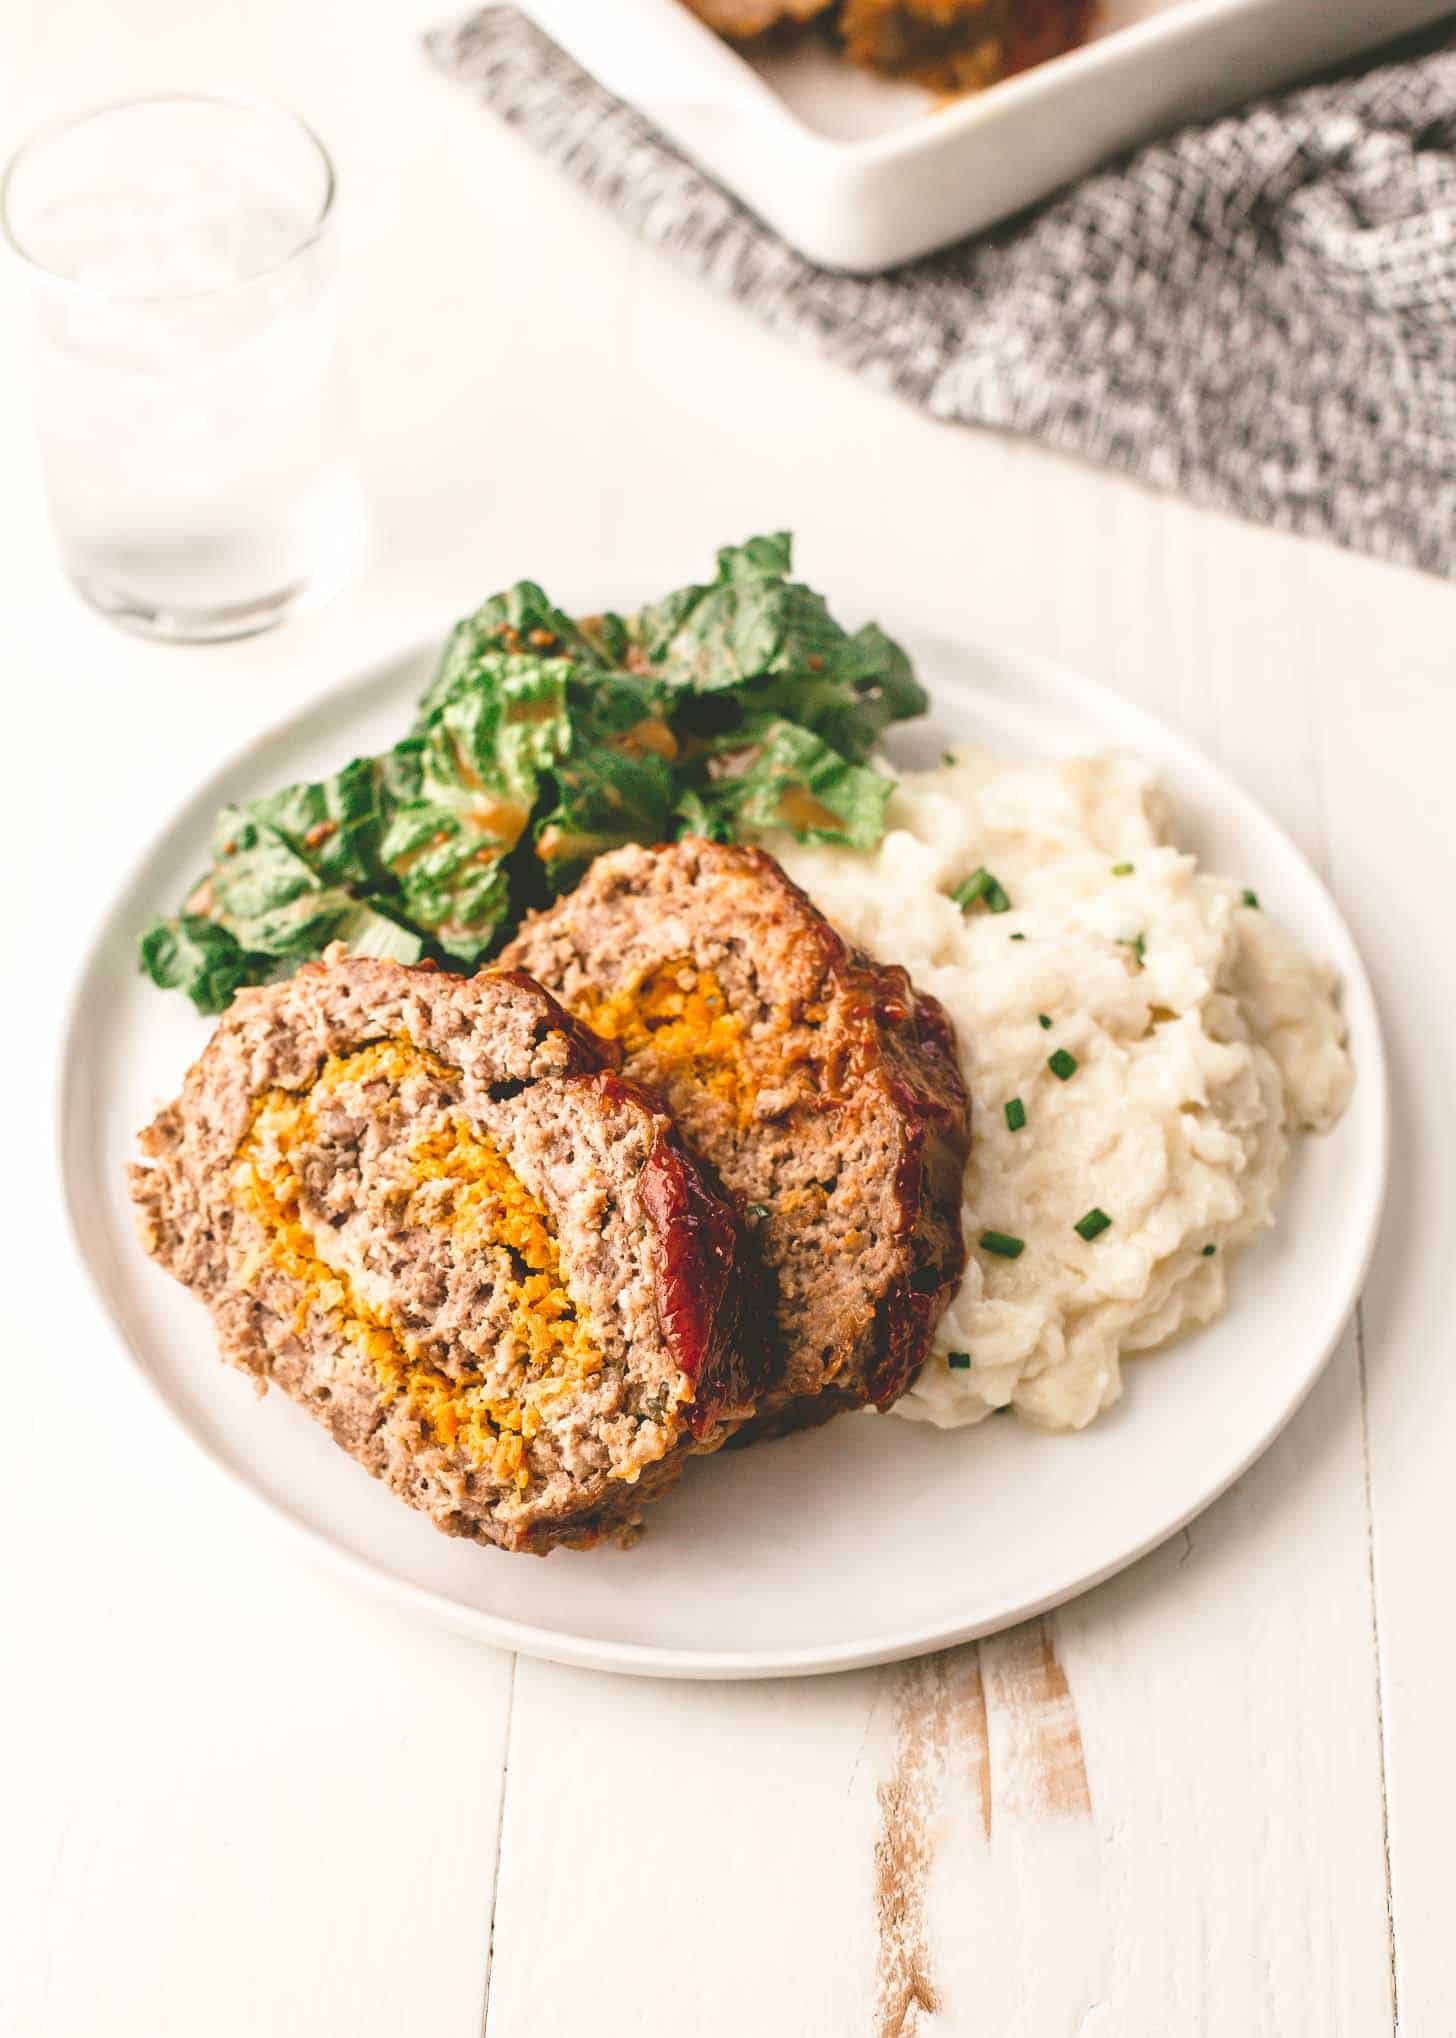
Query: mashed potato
{"type": "Point", "coordinates": [1201, 1036]}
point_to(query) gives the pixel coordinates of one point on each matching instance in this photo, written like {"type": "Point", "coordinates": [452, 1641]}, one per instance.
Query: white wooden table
{"type": "Point", "coordinates": [1214, 1796]}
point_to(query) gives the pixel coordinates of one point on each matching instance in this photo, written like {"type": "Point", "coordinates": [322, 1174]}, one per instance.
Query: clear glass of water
{"type": "Point", "coordinates": [180, 256]}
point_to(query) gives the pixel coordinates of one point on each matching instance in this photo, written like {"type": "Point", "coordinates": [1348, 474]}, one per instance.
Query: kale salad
{"type": "Point", "coordinates": [726, 709]}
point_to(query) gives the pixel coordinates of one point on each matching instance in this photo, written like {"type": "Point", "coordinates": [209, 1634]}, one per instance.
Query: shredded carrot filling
{"type": "Point", "coordinates": [680, 1013]}
{"type": "Point", "coordinates": [458, 1182]}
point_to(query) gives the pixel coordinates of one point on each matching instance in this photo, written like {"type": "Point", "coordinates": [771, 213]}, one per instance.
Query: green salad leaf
{"type": "Point", "coordinates": [195, 955]}
{"type": "Point", "coordinates": [619, 781]}
{"type": "Point", "coordinates": [730, 709]}
{"type": "Point", "coordinates": [521, 621]}
{"type": "Point", "coordinates": [462, 789]}
{"type": "Point", "coordinates": [772, 640]}
{"type": "Point", "coordinates": [788, 777]}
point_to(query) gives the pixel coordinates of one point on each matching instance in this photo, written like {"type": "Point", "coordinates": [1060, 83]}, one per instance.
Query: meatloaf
{"type": "Point", "coordinates": [744, 19]}
{"type": "Point", "coordinates": [430, 1211]}
{"type": "Point", "coordinates": [824, 1089]}
{"type": "Point", "coordinates": [948, 46]}
{"type": "Point", "coordinates": [959, 45]}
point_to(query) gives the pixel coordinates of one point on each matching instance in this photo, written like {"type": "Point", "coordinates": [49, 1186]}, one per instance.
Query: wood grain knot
{"type": "Point", "coordinates": [939, 1740]}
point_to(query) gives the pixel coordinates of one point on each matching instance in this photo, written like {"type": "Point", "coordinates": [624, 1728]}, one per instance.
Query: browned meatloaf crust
{"type": "Point", "coordinates": [430, 1211]}
{"type": "Point", "coordinates": [824, 1089]}
{"type": "Point", "coordinates": [959, 45]}
{"type": "Point", "coordinates": [948, 46]}
{"type": "Point", "coordinates": [744, 19]}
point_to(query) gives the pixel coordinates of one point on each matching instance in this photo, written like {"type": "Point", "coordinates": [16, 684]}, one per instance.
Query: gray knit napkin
{"type": "Point", "coordinates": [1260, 313]}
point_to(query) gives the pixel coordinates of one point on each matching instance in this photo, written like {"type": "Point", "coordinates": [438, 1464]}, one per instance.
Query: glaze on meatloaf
{"type": "Point", "coordinates": [430, 1211]}
{"type": "Point", "coordinates": [823, 1088]}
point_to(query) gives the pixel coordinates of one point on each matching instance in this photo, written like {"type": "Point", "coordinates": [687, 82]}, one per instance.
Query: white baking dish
{"type": "Point", "coordinates": [861, 174]}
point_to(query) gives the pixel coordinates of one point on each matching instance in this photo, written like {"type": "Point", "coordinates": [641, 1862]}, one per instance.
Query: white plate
{"type": "Point", "coordinates": [859, 173]}
{"type": "Point", "coordinates": [870, 1539]}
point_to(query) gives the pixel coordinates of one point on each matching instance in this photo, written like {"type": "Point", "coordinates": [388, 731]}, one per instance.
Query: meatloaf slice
{"type": "Point", "coordinates": [741, 20]}
{"type": "Point", "coordinates": [824, 1089]}
{"type": "Point", "coordinates": [432, 1213]}
{"type": "Point", "coordinates": [959, 45]}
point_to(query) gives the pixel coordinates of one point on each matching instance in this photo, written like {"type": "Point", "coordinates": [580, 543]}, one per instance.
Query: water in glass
{"type": "Point", "coordinates": [188, 400]}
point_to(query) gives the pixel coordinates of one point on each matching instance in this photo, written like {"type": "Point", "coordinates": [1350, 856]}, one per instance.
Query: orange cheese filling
{"type": "Point", "coordinates": [679, 1014]}
{"type": "Point", "coordinates": [456, 1181]}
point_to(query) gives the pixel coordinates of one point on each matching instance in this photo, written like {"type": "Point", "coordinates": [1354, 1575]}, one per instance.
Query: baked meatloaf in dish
{"type": "Point", "coordinates": [948, 46]}
{"type": "Point", "coordinates": [959, 45]}
{"type": "Point", "coordinates": [741, 20]}
{"type": "Point", "coordinates": [429, 1210]}
{"type": "Point", "coordinates": [823, 1088]}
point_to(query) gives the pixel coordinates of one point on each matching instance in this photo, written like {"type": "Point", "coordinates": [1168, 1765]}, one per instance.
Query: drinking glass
{"type": "Point", "coordinates": [180, 256]}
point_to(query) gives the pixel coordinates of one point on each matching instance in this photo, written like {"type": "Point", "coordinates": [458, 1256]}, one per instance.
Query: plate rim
{"type": "Point", "coordinates": [721, 1665]}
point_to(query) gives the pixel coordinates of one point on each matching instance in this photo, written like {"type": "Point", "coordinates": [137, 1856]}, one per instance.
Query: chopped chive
{"type": "Point", "coordinates": [1015, 1114]}
{"type": "Point", "coordinates": [1018, 937]}
{"type": "Point", "coordinates": [1003, 1245]}
{"type": "Point", "coordinates": [1062, 1064]}
{"type": "Point", "coordinates": [1122, 870]}
{"type": "Point", "coordinates": [1251, 899]}
{"type": "Point", "coordinates": [1209, 1251]}
{"type": "Point", "coordinates": [1138, 945]}
{"type": "Point", "coordinates": [947, 757]}
{"type": "Point", "coordinates": [759, 1210]}
{"type": "Point", "coordinates": [959, 1362]}
{"type": "Point", "coordinates": [982, 884]}
{"type": "Point", "coordinates": [1044, 1022]}
{"type": "Point", "coordinates": [1093, 1224]}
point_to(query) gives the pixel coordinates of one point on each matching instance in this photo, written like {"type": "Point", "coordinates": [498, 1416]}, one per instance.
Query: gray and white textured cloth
{"type": "Point", "coordinates": [1260, 312]}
